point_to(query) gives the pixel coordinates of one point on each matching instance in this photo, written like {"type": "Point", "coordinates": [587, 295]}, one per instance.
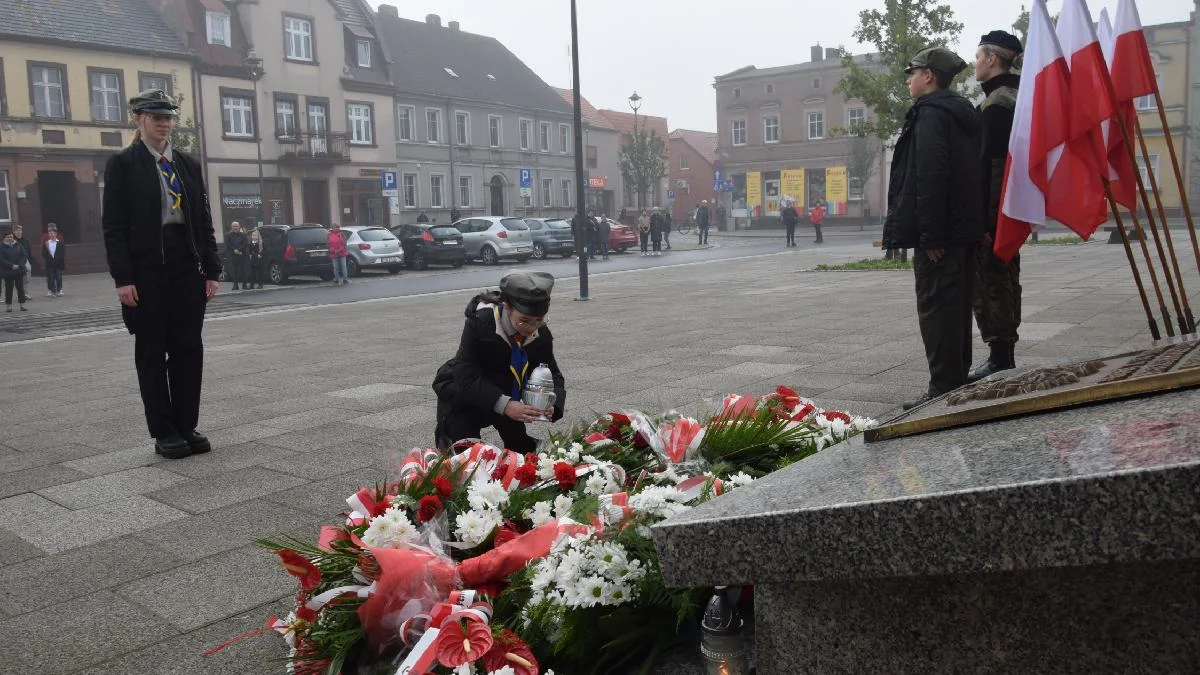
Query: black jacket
{"type": "Point", "coordinates": [237, 241]}
{"type": "Point", "coordinates": [59, 260]}
{"type": "Point", "coordinates": [479, 373]}
{"type": "Point", "coordinates": [132, 214]}
{"type": "Point", "coordinates": [996, 118]}
{"type": "Point", "coordinates": [12, 255]}
{"type": "Point", "coordinates": [703, 217]}
{"type": "Point", "coordinates": [933, 194]}
{"type": "Point", "coordinates": [656, 227]}
{"type": "Point", "coordinates": [256, 253]}
{"type": "Point", "coordinates": [789, 216]}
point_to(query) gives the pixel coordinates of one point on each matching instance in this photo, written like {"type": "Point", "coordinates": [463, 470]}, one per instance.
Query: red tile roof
{"type": "Point", "coordinates": [623, 122]}
{"type": "Point", "coordinates": [703, 142]}
{"type": "Point", "coordinates": [591, 116]}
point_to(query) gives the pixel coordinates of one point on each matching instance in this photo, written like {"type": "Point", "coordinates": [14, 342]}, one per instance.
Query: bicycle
{"type": "Point", "coordinates": [684, 226]}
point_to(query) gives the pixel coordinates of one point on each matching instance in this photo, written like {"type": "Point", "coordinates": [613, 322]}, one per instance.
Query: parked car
{"type": "Point", "coordinates": [620, 237]}
{"type": "Point", "coordinates": [551, 236]}
{"type": "Point", "coordinates": [427, 244]}
{"type": "Point", "coordinates": [372, 247]}
{"type": "Point", "coordinates": [492, 238]}
{"type": "Point", "coordinates": [296, 250]}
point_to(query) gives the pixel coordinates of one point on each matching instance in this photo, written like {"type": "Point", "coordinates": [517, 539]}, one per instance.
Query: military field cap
{"type": "Point", "coordinates": [154, 102]}
{"type": "Point", "coordinates": [938, 59]}
{"type": "Point", "coordinates": [1003, 39]}
{"type": "Point", "coordinates": [528, 292]}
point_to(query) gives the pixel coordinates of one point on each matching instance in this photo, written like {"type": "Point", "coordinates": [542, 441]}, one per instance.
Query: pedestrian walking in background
{"type": "Point", "coordinates": [236, 242]}
{"type": "Point", "coordinates": [338, 255]}
{"type": "Point", "coordinates": [656, 227]}
{"type": "Point", "coordinates": [12, 270]}
{"type": "Point", "coordinates": [19, 233]}
{"type": "Point", "coordinates": [790, 218]}
{"type": "Point", "coordinates": [666, 230]}
{"type": "Point", "coordinates": [54, 256]}
{"type": "Point", "coordinates": [703, 220]}
{"type": "Point", "coordinates": [162, 254]}
{"type": "Point", "coordinates": [604, 232]}
{"type": "Point", "coordinates": [593, 235]}
{"type": "Point", "coordinates": [256, 256]}
{"type": "Point", "coordinates": [817, 216]}
{"type": "Point", "coordinates": [997, 302]}
{"type": "Point", "coordinates": [936, 207]}
{"type": "Point", "coordinates": [644, 231]}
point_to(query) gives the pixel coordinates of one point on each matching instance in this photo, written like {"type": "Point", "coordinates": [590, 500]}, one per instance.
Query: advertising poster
{"type": "Point", "coordinates": [754, 192]}
{"type": "Point", "coordinates": [837, 190]}
{"type": "Point", "coordinates": [793, 185]}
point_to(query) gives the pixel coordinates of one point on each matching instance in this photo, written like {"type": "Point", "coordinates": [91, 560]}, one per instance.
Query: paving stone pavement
{"type": "Point", "coordinates": [113, 560]}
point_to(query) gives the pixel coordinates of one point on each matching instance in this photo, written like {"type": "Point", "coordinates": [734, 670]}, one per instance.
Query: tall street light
{"type": "Point", "coordinates": [635, 102]}
{"type": "Point", "coordinates": [580, 197]}
{"type": "Point", "coordinates": [254, 68]}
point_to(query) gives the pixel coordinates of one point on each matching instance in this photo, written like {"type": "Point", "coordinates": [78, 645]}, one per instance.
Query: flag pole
{"type": "Point", "coordinates": [1187, 208]}
{"type": "Point", "coordinates": [1137, 277]}
{"type": "Point", "coordinates": [1187, 323]}
{"type": "Point", "coordinates": [1141, 235]}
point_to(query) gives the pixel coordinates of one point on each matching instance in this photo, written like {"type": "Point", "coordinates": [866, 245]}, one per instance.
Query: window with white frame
{"type": "Point", "coordinates": [364, 53]}
{"type": "Point", "coordinates": [152, 81]}
{"type": "Point", "coordinates": [564, 138]}
{"type": "Point", "coordinates": [237, 116]}
{"type": "Point", "coordinates": [404, 123]}
{"type": "Point", "coordinates": [738, 132]}
{"type": "Point", "coordinates": [816, 125]}
{"type": "Point", "coordinates": [1148, 102]}
{"type": "Point", "coordinates": [5, 202]}
{"type": "Point", "coordinates": [361, 130]}
{"type": "Point", "coordinates": [526, 134]}
{"type": "Point", "coordinates": [435, 191]}
{"type": "Point", "coordinates": [566, 191]}
{"type": "Point", "coordinates": [1141, 165]}
{"type": "Point", "coordinates": [433, 125]}
{"type": "Point", "coordinates": [495, 131]}
{"type": "Point", "coordinates": [285, 118]}
{"type": "Point", "coordinates": [218, 29]}
{"type": "Point", "coordinates": [464, 191]}
{"type": "Point", "coordinates": [462, 128]}
{"type": "Point", "coordinates": [298, 38]}
{"type": "Point", "coordinates": [547, 192]}
{"type": "Point", "coordinates": [409, 180]}
{"type": "Point", "coordinates": [683, 162]}
{"type": "Point", "coordinates": [771, 129]}
{"type": "Point", "coordinates": [856, 117]}
{"type": "Point", "coordinates": [49, 99]}
{"type": "Point", "coordinates": [544, 137]}
{"type": "Point", "coordinates": [106, 97]}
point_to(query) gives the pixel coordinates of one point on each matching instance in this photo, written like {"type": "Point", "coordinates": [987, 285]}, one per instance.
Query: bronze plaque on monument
{"type": "Point", "coordinates": [1158, 369]}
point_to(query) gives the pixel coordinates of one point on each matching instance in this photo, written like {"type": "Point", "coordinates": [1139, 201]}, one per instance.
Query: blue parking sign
{"type": "Point", "coordinates": [389, 180]}
{"type": "Point", "coordinates": [526, 178]}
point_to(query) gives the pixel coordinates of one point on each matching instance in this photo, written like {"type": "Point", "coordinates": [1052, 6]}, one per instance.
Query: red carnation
{"type": "Point", "coordinates": [527, 474]}
{"type": "Point", "coordinates": [640, 442]}
{"type": "Point", "coordinates": [510, 650]}
{"type": "Point", "coordinates": [498, 473]}
{"type": "Point", "coordinates": [487, 455]}
{"type": "Point", "coordinates": [428, 508]}
{"type": "Point", "coordinates": [564, 473]}
{"type": "Point", "coordinates": [443, 486]}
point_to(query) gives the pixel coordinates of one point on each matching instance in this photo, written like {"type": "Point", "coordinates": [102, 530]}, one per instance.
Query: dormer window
{"type": "Point", "coordinates": [770, 88]}
{"type": "Point", "coordinates": [218, 29]}
{"type": "Point", "coordinates": [450, 72]}
{"type": "Point", "coordinates": [364, 53]}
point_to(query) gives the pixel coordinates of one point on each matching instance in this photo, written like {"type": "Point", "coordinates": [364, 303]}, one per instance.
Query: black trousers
{"type": "Point", "coordinates": [257, 273]}
{"type": "Point", "coordinates": [645, 238]}
{"type": "Point", "coordinates": [944, 295]}
{"type": "Point", "coordinates": [791, 233]}
{"type": "Point", "coordinates": [168, 350]}
{"type": "Point", "coordinates": [820, 237]}
{"type": "Point", "coordinates": [703, 233]}
{"type": "Point", "coordinates": [459, 421]}
{"type": "Point", "coordinates": [14, 282]}
{"type": "Point", "coordinates": [239, 266]}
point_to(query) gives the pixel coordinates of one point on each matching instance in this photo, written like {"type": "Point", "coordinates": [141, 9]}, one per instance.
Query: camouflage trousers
{"type": "Point", "coordinates": [997, 301]}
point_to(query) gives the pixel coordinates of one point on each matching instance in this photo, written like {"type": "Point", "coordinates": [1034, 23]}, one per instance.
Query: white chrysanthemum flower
{"type": "Point", "coordinates": [739, 479]}
{"type": "Point", "coordinates": [591, 590]}
{"type": "Point", "coordinates": [545, 468]}
{"type": "Point", "coordinates": [597, 484]}
{"type": "Point", "coordinates": [474, 527]}
{"type": "Point", "coordinates": [540, 514]}
{"type": "Point", "coordinates": [465, 669]}
{"type": "Point", "coordinates": [659, 501]}
{"type": "Point", "coordinates": [390, 530]}
{"type": "Point", "coordinates": [506, 670]}
{"type": "Point", "coordinates": [610, 554]}
{"type": "Point", "coordinates": [571, 566]}
{"type": "Point", "coordinates": [863, 423]}
{"type": "Point", "coordinates": [563, 505]}
{"type": "Point", "coordinates": [618, 593]}
{"type": "Point", "coordinates": [542, 578]}
{"type": "Point", "coordinates": [486, 495]}
{"type": "Point", "coordinates": [573, 453]}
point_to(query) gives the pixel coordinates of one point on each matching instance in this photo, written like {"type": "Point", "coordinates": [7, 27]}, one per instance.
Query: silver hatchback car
{"type": "Point", "coordinates": [372, 247]}
{"type": "Point", "coordinates": [491, 238]}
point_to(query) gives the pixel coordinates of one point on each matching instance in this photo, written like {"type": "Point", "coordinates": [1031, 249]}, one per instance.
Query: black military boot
{"type": "Point", "coordinates": [1001, 358]}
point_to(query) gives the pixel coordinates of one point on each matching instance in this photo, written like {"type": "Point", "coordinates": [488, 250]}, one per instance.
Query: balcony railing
{"type": "Point", "coordinates": [321, 147]}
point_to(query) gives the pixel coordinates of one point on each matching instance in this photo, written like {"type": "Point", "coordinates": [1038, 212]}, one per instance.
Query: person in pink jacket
{"type": "Point", "coordinates": [337, 255]}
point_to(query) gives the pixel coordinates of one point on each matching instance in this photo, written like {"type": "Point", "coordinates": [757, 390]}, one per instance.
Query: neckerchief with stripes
{"type": "Point", "coordinates": [174, 185]}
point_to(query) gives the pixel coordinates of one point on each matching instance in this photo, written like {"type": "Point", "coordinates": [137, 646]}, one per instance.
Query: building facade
{"type": "Point", "coordinates": [65, 79]}
{"type": "Point", "coordinates": [693, 170]}
{"type": "Point", "coordinates": [779, 135]}
{"type": "Point", "coordinates": [660, 193]}
{"type": "Point", "coordinates": [470, 119]}
{"type": "Point", "coordinates": [602, 161]}
{"type": "Point", "coordinates": [1169, 51]}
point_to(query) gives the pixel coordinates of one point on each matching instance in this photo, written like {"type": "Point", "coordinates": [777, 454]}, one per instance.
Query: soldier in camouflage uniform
{"type": "Point", "coordinates": [997, 301]}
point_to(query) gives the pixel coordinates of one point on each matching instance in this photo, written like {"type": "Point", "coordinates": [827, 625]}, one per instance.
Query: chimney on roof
{"type": "Point", "coordinates": [816, 53]}
{"type": "Point", "coordinates": [433, 20]}
{"type": "Point", "coordinates": [832, 53]}
{"type": "Point", "coordinates": [389, 10]}
{"type": "Point", "coordinates": [453, 26]}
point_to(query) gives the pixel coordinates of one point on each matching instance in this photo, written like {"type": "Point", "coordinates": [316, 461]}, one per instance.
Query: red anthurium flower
{"type": "Point", "coordinates": [787, 396]}
{"type": "Point", "coordinates": [740, 406]}
{"type": "Point", "coordinates": [457, 644]}
{"type": "Point", "coordinates": [510, 650]}
{"type": "Point", "coordinates": [487, 454]}
{"type": "Point", "coordinates": [300, 567]}
{"type": "Point", "coordinates": [443, 486]}
{"type": "Point", "coordinates": [619, 418]}
{"type": "Point", "coordinates": [835, 415]}
{"type": "Point", "coordinates": [428, 508]}
{"type": "Point", "coordinates": [564, 473]}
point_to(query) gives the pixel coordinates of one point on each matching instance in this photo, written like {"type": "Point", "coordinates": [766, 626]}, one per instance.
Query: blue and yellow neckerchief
{"type": "Point", "coordinates": [174, 185]}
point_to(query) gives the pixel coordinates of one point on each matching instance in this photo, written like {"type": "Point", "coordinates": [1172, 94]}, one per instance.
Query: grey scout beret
{"type": "Point", "coordinates": [938, 59]}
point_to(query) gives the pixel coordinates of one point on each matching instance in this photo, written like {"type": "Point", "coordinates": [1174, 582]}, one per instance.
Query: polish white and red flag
{"type": "Point", "coordinates": [1121, 172]}
{"type": "Point", "coordinates": [1131, 66]}
{"type": "Point", "coordinates": [1046, 174]}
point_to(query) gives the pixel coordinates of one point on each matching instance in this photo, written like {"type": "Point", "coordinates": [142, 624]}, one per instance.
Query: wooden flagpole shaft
{"type": "Point", "coordinates": [1137, 277]}
{"type": "Point", "coordinates": [1183, 198]}
{"type": "Point", "coordinates": [1162, 304]}
{"type": "Point", "coordinates": [1187, 323]}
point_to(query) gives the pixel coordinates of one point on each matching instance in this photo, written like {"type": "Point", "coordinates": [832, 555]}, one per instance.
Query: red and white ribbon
{"type": "Point", "coordinates": [693, 487]}
{"type": "Point", "coordinates": [461, 605]}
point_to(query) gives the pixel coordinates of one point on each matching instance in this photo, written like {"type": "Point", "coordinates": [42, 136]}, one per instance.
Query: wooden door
{"type": "Point", "coordinates": [315, 194]}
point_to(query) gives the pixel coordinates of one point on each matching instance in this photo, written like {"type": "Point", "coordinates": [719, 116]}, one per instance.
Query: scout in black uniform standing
{"type": "Point", "coordinates": [934, 206]}
{"type": "Point", "coordinates": [505, 338]}
{"type": "Point", "coordinates": [162, 254]}
{"type": "Point", "coordinates": [997, 283]}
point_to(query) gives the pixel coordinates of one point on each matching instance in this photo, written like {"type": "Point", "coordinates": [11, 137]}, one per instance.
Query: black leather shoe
{"type": "Point", "coordinates": [172, 447]}
{"type": "Point", "coordinates": [196, 442]}
{"type": "Point", "coordinates": [988, 368]}
{"type": "Point", "coordinates": [925, 398]}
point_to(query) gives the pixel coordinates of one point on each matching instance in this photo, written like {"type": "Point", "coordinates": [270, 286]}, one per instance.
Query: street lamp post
{"type": "Point", "coordinates": [635, 102]}
{"type": "Point", "coordinates": [254, 68]}
{"type": "Point", "coordinates": [580, 197]}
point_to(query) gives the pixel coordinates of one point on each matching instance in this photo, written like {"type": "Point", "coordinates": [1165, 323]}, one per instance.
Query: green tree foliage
{"type": "Point", "coordinates": [185, 136]}
{"type": "Point", "coordinates": [643, 161]}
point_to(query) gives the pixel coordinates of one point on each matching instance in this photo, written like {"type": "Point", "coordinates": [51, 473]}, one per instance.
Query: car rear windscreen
{"type": "Point", "coordinates": [513, 224]}
{"type": "Point", "coordinates": [376, 234]}
{"type": "Point", "coordinates": [446, 231]}
{"type": "Point", "coordinates": [307, 236]}
{"type": "Point", "coordinates": [558, 224]}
